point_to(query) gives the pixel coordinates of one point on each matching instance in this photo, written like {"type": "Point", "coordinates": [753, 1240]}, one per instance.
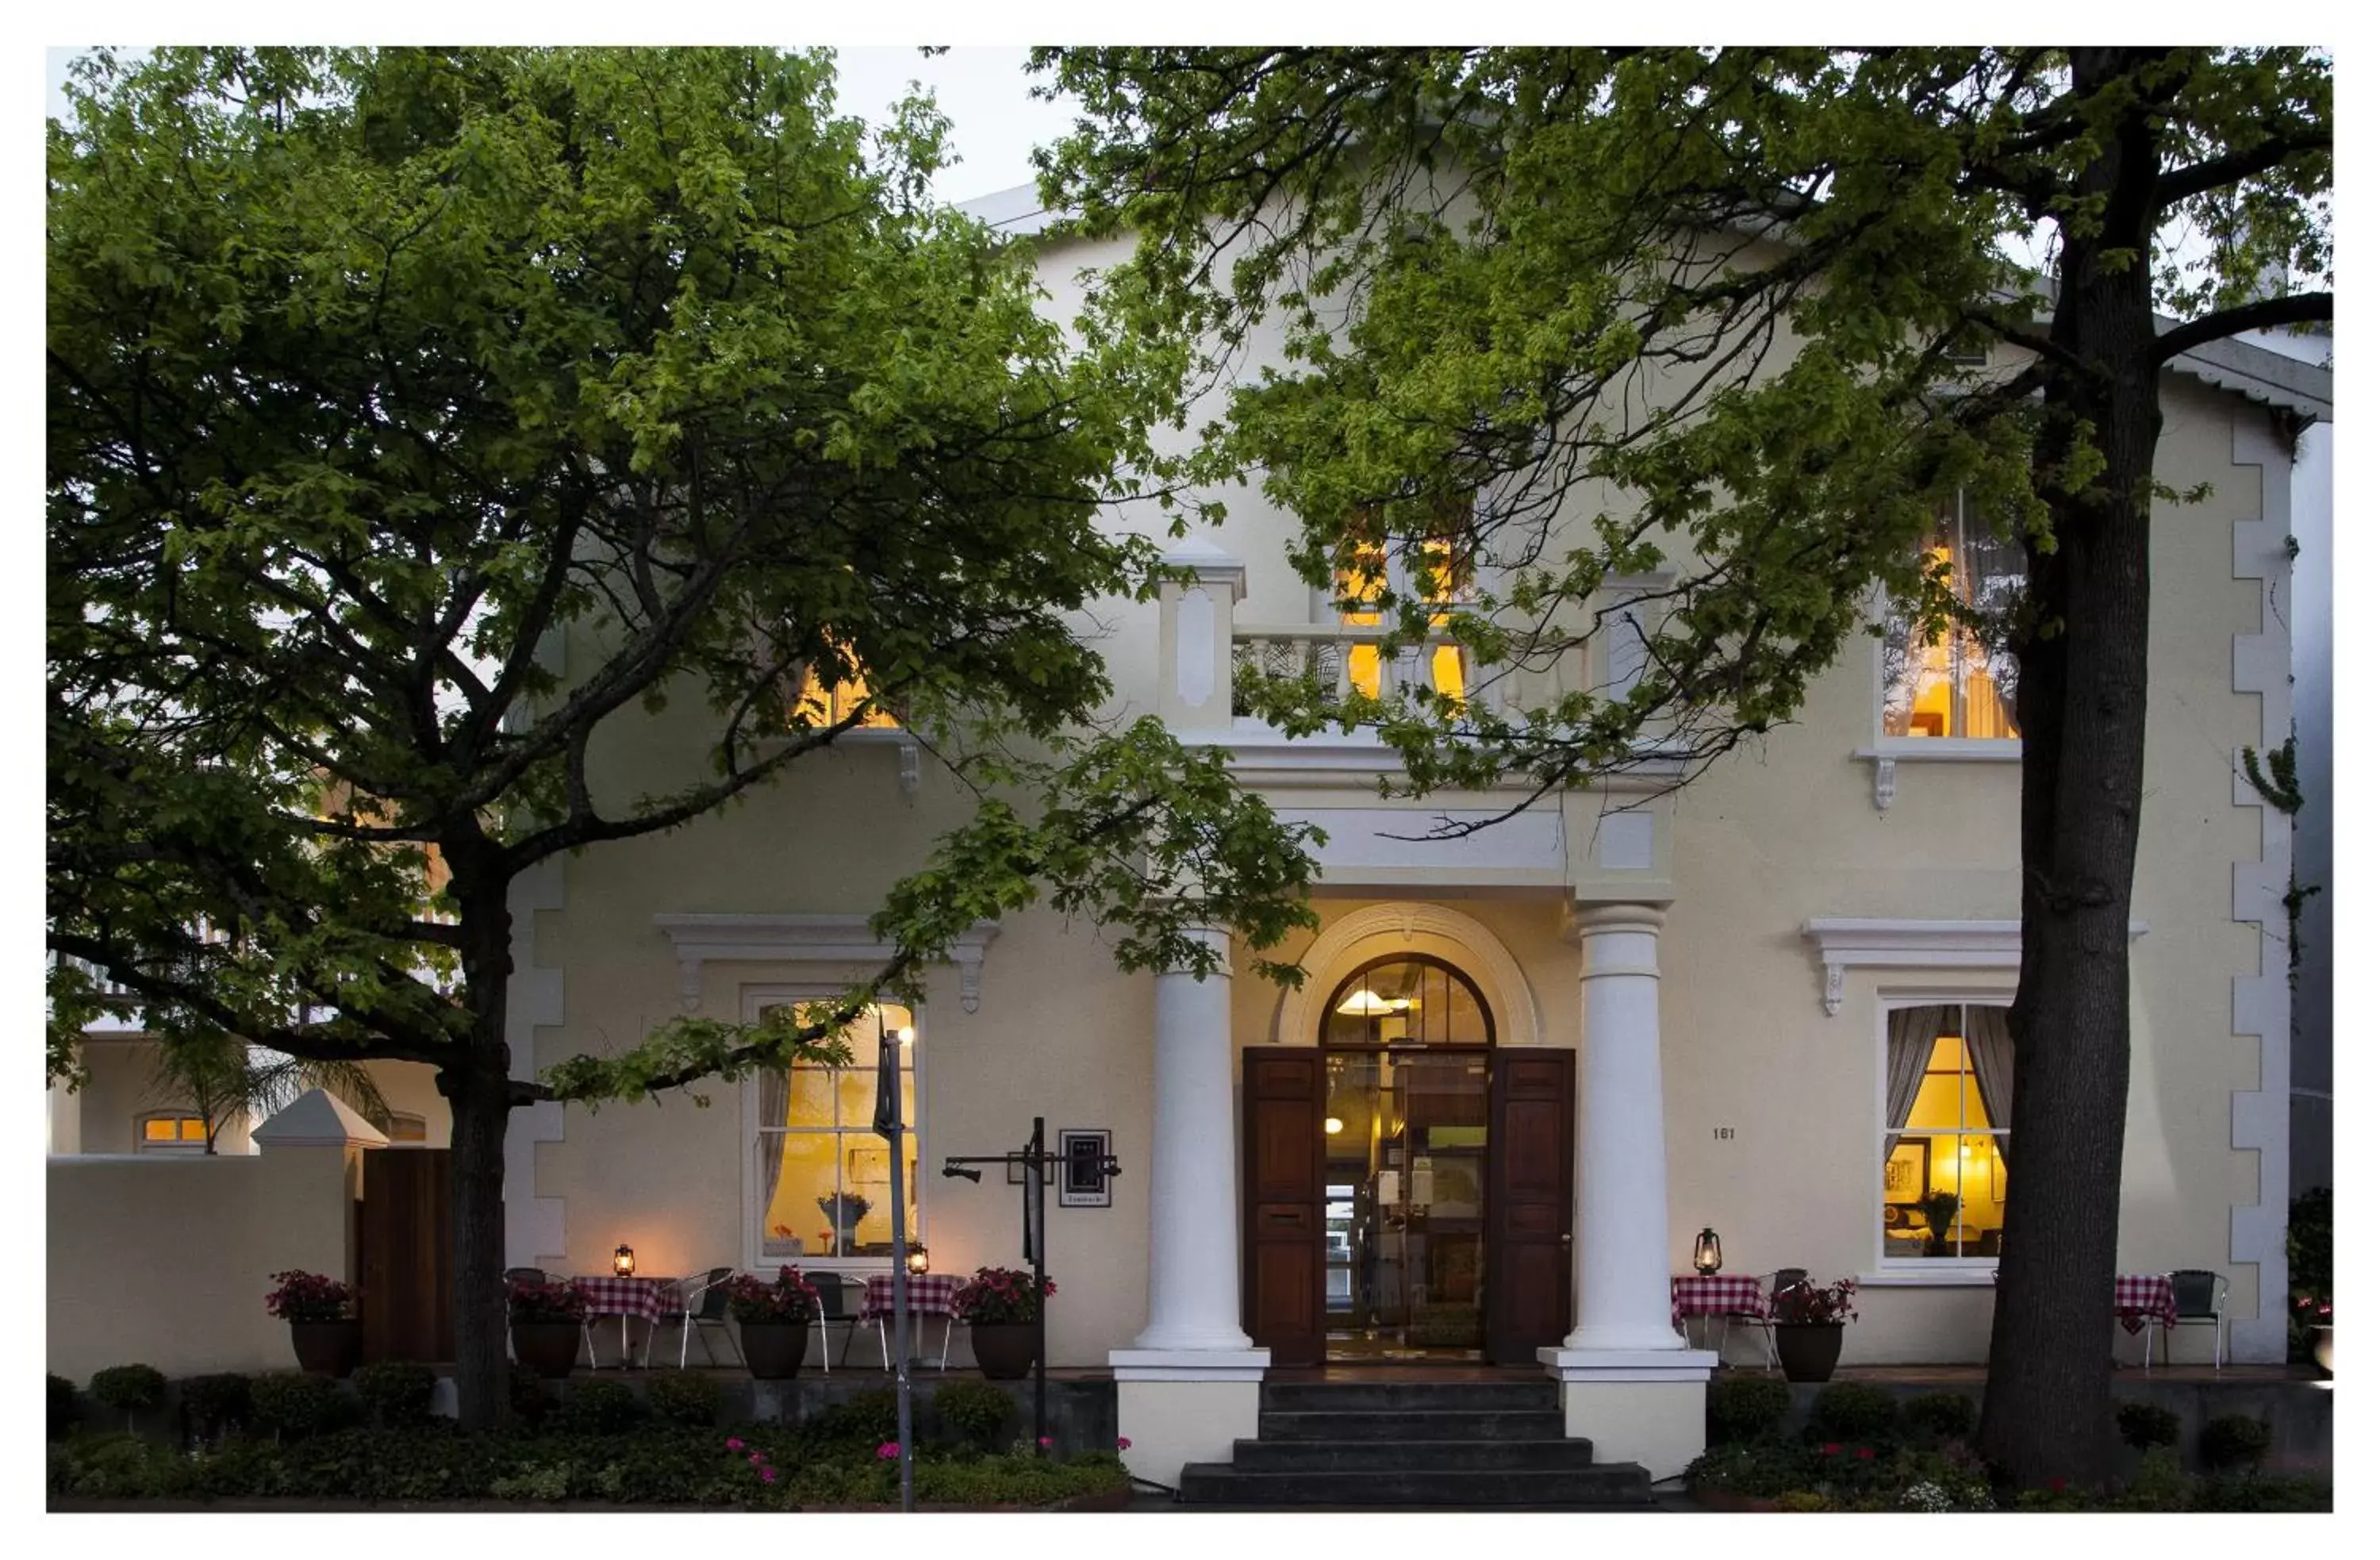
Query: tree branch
{"type": "Point", "coordinates": [2200, 179]}
{"type": "Point", "coordinates": [2297, 308]}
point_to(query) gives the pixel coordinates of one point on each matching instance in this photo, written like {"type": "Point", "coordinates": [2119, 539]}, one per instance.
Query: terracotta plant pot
{"type": "Point", "coordinates": [1003, 1350]}
{"type": "Point", "coordinates": [551, 1348]}
{"type": "Point", "coordinates": [333, 1348]}
{"type": "Point", "coordinates": [774, 1350]}
{"type": "Point", "coordinates": [1808, 1349]}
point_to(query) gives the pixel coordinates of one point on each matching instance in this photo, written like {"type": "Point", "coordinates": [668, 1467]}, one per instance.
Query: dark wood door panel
{"type": "Point", "coordinates": [1531, 1141]}
{"type": "Point", "coordinates": [1283, 1148]}
{"type": "Point", "coordinates": [402, 1255]}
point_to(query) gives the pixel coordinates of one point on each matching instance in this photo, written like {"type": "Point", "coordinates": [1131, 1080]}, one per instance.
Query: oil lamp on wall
{"type": "Point", "coordinates": [1706, 1256]}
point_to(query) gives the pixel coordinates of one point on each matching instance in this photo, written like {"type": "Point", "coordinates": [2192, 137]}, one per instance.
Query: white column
{"type": "Point", "coordinates": [1623, 1280]}
{"type": "Point", "coordinates": [1193, 1238]}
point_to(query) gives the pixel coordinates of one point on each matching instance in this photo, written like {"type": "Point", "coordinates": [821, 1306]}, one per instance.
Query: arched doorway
{"type": "Point", "coordinates": [1406, 1040]}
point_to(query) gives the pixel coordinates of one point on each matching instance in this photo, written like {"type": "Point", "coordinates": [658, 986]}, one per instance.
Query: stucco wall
{"type": "Point", "coordinates": [106, 1109]}
{"type": "Point", "coordinates": [166, 1261]}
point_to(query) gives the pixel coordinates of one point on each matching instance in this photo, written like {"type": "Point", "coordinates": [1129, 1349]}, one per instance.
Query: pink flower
{"type": "Point", "coordinates": [1045, 1442]}
{"type": "Point", "coordinates": [1831, 1447]}
{"type": "Point", "coordinates": [2057, 1485]}
{"type": "Point", "coordinates": [1123, 1442]}
{"type": "Point", "coordinates": [1864, 1453]}
{"type": "Point", "coordinates": [756, 1459]}
{"type": "Point", "coordinates": [734, 1444]}
{"type": "Point", "coordinates": [768, 1476]}
{"type": "Point", "coordinates": [889, 1449]}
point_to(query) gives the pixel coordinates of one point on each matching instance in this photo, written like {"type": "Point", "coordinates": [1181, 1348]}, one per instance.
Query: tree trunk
{"type": "Point", "coordinates": [481, 1104]}
{"type": "Point", "coordinates": [2082, 705]}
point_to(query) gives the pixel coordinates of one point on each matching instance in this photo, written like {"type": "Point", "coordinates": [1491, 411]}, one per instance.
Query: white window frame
{"type": "Point", "coordinates": [1917, 1270]}
{"type": "Point", "coordinates": [756, 1000]}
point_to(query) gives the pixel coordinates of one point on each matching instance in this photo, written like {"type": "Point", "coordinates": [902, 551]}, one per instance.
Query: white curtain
{"type": "Point", "coordinates": [1909, 1034]}
{"type": "Point", "coordinates": [776, 1092]}
{"type": "Point", "coordinates": [1992, 1051]}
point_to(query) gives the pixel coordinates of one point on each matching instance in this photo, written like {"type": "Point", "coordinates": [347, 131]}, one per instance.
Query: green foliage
{"type": "Point", "coordinates": [976, 1411]}
{"type": "Point", "coordinates": [1744, 1408]}
{"type": "Point", "coordinates": [1015, 1481]}
{"type": "Point", "coordinates": [214, 1405]}
{"type": "Point", "coordinates": [2234, 1441]}
{"type": "Point", "coordinates": [291, 1406]}
{"type": "Point", "coordinates": [1765, 1468]}
{"type": "Point", "coordinates": [864, 1420]}
{"type": "Point", "coordinates": [61, 1405]}
{"type": "Point", "coordinates": [2144, 1425]}
{"type": "Point", "coordinates": [2309, 1242]}
{"type": "Point", "coordinates": [129, 1387]}
{"type": "Point", "coordinates": [599, 1408]}
{"type": "Point", "coordinates": [1803, 1500]}
{"type": "Point", "coordinates": [1854, 1411]}
{"type": "Point", "coordinates": [1941, 1416]}
{"type": "Point", "coordinates": [535, 1482]}
{"type": "Point", "coordinates": [683, 1397]}
{"type": "Point", "coordinates": [397, 1392]}
{"type": "Point", "coordinates": [532, 1399]}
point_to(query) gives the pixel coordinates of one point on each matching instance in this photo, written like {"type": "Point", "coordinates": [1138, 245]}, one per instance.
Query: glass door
{"type": "Point", "coordinates": [1403, 1212]}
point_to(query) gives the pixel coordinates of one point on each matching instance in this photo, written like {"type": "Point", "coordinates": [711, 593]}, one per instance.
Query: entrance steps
{"type": "Point", "coordinates": [1359, 1446]}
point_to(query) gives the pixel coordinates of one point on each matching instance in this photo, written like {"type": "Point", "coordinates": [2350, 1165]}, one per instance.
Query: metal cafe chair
{"type": "Point", "coordinates": [2199, 1296]}
{"type": "Point", "coordinates": [702, 1305]}
{"type": "Point", "coordinates": [834, 1305]}
{"type": "Point", "coordinates": [1764, 1323]}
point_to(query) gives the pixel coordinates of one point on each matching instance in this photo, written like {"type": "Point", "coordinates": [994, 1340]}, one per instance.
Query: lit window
{"type": "Point", "coordinates": [1957, 685]}
{"type": "Point", "coordinates": [1440, 578]}
{"type": "Point", "coordinates": [825, 1178]}
{"type": "Point", "coordinates": [818, 705]}
{"type": "Point", "coordinates": [1947, 1073]}
{"type": "Point", "coordinates": [404, 1127]}
{"type": "Point", "coordinates": [172, 1132]}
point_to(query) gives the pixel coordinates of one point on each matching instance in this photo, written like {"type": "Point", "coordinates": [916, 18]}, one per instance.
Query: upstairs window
{"type": "Point", "coordinates": [1431, 572]}
{"type": "Point", "coordinates": [1957, 685]}
{"type": "Point", "coordinates": [171, 1132]}
{"type": "Point", "coordinates": [819, 704]}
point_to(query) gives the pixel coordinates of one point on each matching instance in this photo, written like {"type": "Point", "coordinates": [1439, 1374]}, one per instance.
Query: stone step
{"type": "Point", "coordinates": [1411, 1424]}
{"type": "Point", "coordinates": [1407, 1456]}
{"type": "Point", "coordinates": [1310, 1396]}
{"type": "Point", "coordinates": [1607, 1484]}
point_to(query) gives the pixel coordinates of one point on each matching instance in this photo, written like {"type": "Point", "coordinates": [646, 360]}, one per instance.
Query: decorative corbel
{"type": "Point", "coordinates": [1834, 997]}
{"type": "Point", "coordinates": [689, 984]}
{"type": "Point", "coordinates": [1886, 782]}
{"type": "Point", "coordinates": [910, 750]}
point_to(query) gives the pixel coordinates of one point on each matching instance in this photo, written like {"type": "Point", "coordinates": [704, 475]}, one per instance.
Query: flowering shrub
{"type": "Point", "coordinates": [309, 1297]}
{"type": "Point", "coordinates": [1926, 1496]}
{"type": "Point", "coordinates": [756, 1461]}
{"type": "Point", "coordinates": [545, 1303]}
{"type": "Point", "coordinates": [997, 1295]}
{"type": "Point", "coordinates": [790, 1298]}
{"type": "Point", "coordinates": [1805, 1302]}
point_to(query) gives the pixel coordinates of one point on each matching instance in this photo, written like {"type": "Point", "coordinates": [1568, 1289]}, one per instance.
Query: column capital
{"type": "Point", "coordinates": [1620, 915]}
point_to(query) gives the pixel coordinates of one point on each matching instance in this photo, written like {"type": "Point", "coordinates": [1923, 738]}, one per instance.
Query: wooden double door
{"type": "Point", "coordinates": [1525, 1279]}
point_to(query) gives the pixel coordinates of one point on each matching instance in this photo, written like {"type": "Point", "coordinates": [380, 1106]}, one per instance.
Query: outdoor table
{"type": "Point", "coordinates": [611, 1295]}
{"type": "Point", "coordinates": [2143, 1297]}
{"type": "Point", "coordinates": [1715, 1294]}
{"type": "Point", "coordinates": [930, 1293]}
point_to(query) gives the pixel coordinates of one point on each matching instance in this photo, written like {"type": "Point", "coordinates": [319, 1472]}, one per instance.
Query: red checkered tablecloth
{"type": "Point", "coordinates": [930, 1293]}
{"type": "Point", "coordinates": [2143, 1297]}
{"type": "Point", "coordinates": [1716, 1293]}
{"type": "Point", "coordinates": [611, 1295]}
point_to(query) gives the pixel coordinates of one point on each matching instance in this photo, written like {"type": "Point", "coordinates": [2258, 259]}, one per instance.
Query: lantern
{"type": "Point", "coordinates": [918, 1263]}
{"type": "Point", "coordinates": [624, 1262]}
{"type": "Point", "coordinates": [1707, 1251]}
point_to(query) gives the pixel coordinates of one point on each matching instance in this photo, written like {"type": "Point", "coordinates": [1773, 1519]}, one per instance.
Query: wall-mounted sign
{"type": "Point", "coordinates": [1083, 1159]}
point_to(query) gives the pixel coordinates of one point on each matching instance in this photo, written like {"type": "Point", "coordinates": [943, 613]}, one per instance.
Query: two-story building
{"type": "Point", "coordinates": [1526, 1067]}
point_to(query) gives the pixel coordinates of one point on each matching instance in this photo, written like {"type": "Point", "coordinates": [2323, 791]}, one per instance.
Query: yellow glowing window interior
{"type": "Point", "coordinates": [825, 1177]}
{"type": "Point", "coordinates": [824, 706]}
{"type": "Point", "coordinates": [1358, 585]}
{"type": "Point", "coordinates": [1956, 684]}
{"type": "Point", "coordinates": [1950, 1143]}
{"type": "Point", "coordinates": [173, 1129]}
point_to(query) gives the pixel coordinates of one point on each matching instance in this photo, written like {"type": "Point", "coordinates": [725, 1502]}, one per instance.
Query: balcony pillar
{"type": "Point", "coordinates": [1194, 638]}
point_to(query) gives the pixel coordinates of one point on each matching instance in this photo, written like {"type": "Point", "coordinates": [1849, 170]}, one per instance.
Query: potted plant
{"type": "Point", "coordinates": [321, 1316]}
{"type": "Point", "coordinates": [1941, 1211]}
{"type": "Point", "coordinates": [774, 1320]}
{"type": "Point", "coordinates": [1000, 1309]}
{"type": "Point", "coordinates": [549, 1320]}
{"type": "Point", "coordinates": [1809, 1324]}
{"type": "Point", "coordinates": [843, 1210]}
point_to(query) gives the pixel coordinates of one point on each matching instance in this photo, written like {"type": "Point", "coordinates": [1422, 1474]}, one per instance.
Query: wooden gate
{"type": "Point", "coordinates": [1283, 1303]}
{"type": "Point", "coordinates": [1532, 1118]}
{"type": "Point", "coordinates": [402, 1246]}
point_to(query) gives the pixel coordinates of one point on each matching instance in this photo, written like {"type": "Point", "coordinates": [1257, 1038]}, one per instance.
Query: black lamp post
{"type": "Point", "coordinates": [889, 1125]}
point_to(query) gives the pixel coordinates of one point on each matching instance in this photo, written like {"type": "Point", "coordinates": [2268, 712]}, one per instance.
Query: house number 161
{"type": "Point", "coordinates": [1722, 1133]}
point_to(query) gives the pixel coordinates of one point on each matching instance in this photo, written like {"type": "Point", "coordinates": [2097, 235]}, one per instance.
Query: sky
{"type": "Point", "coordinates": [994, 120]}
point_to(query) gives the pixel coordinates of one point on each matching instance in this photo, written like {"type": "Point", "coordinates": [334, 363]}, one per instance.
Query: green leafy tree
{"type": "Point", "coordinates": [218, 1077]}
{"type": "Point", "coordinates": [1573, 313]}
{"type": "Point", "coordinates": [419, 419]}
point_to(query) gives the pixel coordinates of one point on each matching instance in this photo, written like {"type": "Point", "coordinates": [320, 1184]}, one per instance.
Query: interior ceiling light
{"type": "Point", "coordinates": [1333, 1126]}
{"type": "Point", "coordinates": [1366, 1003]}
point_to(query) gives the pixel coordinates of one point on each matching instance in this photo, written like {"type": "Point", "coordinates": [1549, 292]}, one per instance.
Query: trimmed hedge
{"type": "Point", "coordinates": [2234, 1441]}
{"type": "Point", "coordinates": [213, 1405]}
{"type": "Point", "coordinates": [2144, 1425]}
{"type": "Point", "coordinates": [683, 1397]}
{"type": "Point", "coordinates": [1746, 1409]}
{"type": "Point", "coordinates": [601, 1407]}
{"type": "Point", "coordinates": [976, 1411]}
{"type": "Point", "coordinates": [1854, 1411]}
{"type": "Point", "coordinates": [130, 1388]}
{"type": "Point", "coordinates": [397, 1391]}
{"type": "Point", "coordinates": [294, 1405]}
{"type": "Point", "coordinates": [1944, 1415]}
{"type": "Point", "coordinates": [62, 1405]}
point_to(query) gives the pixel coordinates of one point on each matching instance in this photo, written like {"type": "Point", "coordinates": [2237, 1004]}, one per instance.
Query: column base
{"type": "Point", "coordinates": [1178, 1407]}
{"type": "Point", "coordinates": [1639, 1405]}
